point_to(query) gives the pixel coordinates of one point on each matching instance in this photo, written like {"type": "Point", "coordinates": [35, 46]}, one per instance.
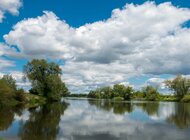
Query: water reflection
{"type": "Point", "coordinates": [123, 107]}
{"type": "Point", "coordinates": [43, 122]}
{"type": "Point", "coordinates": [181, 117]}
{"type": "Point", "coordinates": [149, 108]}
{"type": "Point", "coordinates": [117, 107]}
{"type": "Point", "coordinates": [7, 116]}
{"type": "Point", "coordinates": [105, 120]}
{"type": "Point", "coordinates": [98, 120]}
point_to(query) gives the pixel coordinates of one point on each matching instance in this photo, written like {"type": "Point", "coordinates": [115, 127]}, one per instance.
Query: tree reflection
{"type": "Point", "coordinates": [151, 108]}
{"type": "Point", "coordinates": [181, 117]}
{"type": "Point", "coordinates": [116, 107]}
{"type": "Point", "coordinates": [7, 116]}
{"type": "Point", "coordinates": [121, 108]}
{"type": "Point", "coordinates": [43, 123]}
{"type": "Point", "coordinates": [101, 104]}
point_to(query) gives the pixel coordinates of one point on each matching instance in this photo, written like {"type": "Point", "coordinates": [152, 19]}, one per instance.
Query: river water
{"type": "Point", "coordinates": [83, 119]}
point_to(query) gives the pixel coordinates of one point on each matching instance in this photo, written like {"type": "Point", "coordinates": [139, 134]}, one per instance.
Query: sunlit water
{"type": "Point", "coordinates": [97, 120]}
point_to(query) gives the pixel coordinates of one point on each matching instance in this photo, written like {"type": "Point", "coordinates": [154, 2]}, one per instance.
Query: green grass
{"type": "Point", "coordinates": [168, 98]}
{"type": "Point", "coordinates": [34, 100]}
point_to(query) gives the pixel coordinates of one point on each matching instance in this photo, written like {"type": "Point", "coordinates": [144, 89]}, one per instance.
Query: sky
{"type": "Point", "coordinates": [97, 43]}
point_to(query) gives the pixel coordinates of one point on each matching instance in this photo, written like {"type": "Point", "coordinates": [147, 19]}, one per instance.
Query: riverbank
{"type": "Point", "coordinates": [30, 101]}
{"type": "Point", "coordinates": [160, 98]}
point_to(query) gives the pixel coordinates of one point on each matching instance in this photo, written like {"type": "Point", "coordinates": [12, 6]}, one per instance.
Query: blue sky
{"type": "Point", "coordinates": [88, 42]}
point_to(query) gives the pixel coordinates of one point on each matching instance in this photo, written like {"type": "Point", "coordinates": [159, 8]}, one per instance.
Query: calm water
{"type": "Point", "coordinates": [97, 120]}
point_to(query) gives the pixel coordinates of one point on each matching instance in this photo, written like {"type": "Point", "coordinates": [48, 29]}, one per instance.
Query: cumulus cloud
{"type": "Point", "coordinates": [89, 75]}
{"type": "Point", "coordinates": [156, 82]}
{"type": "Point", "coordinates": [137, 39]}
{"type": "Point", "coordinates": [4, 63]}
{"type": "Point", "coordinates": [10, 6]}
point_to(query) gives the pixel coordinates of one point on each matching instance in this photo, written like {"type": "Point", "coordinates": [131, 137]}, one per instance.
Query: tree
{"type": "Point", "coordinates": [7, 89]}
{"type": "Point", "coordinates": [106, 92]}
{"type": "Point", "coordinates": [45, 78]}
{"type": "Point", "coordinates": [151, 93]}
{"type": "Point", "coordinates": [10, 81]}
{"type": "Point", "coordinates": [118, 90]}
{"type": "Point", "coordinates": [122, 91]}
{"type": "Point", "coordinates": [180, 85]}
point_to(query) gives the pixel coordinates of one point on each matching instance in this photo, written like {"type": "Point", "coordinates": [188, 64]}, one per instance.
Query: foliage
{"type": "Point", "coordinates": [46, 79]}
{"type": "Point", "coordinates": [180, 85]}
{"type": "Point", "coordinates": [170, 98]}
{"type": "Point", "coordinates": [9, 95]}
{"type": "Point", "coordinates": [34, 100]}
{"type": "Point", "coordinates": [186, 98]}
{"type": "Point", "coordinates": [10, 81]}
{"type": "Point", "coordinates": [150, 93]}
{"type": "Point", "coordinates": [118, 90]}
{"type": "Point", "coordinates": [123, 91]}
{"type": "Point", "coordinates": [20, 95]}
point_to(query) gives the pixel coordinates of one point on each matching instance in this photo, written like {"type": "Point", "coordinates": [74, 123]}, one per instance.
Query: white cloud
{"type": "Point", "coordinates": [156, 82]}
{"type": "Point", "coordinates": [4, 63]}
{"type": "Point", "coordinates": [11, 6]}
{"type": "Point", "coordinates": [90, 75]}
{"type": "Point", "coordinates": [138, 39]}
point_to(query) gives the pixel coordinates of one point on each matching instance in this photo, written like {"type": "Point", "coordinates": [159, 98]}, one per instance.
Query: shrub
{"type": "Point", "coordinates": [20, 95]}
{"type": "Point", "coordinates": [186, 98]}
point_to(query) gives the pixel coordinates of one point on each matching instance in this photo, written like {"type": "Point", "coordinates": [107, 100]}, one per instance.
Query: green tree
{"type": "Point", "coordinates": [45, 78]}
{"type": "Point", "coordinates": [180, 85]}
{"type": "Point", "coordinates": [7, 89]}
{"type": "Point", "coordinates": [151, 93]}
{"type": "Point", "coordinates": [106, 92]}
{"type": "Point", "coordinates": [122, 91]}
{"type": "Point", "coordinates": [10, 81]}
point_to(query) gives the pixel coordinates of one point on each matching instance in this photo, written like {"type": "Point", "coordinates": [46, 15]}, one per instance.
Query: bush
{"type": "Point", "coordinates": [20, 95]}
{"type": "Point", "coordinates": [45, 78]}
{"type": "Point", "coordinates": [186, 98]}
{"type": "Point", "coordinates": [152, 97]}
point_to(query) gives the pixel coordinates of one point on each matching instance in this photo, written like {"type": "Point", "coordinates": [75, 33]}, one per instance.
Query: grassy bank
{"type": "Point", "coordinates": [34, 100]}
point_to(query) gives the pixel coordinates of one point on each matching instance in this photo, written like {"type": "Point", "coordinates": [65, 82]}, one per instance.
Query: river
{"type": "Point", "coordinates": [83, 119]}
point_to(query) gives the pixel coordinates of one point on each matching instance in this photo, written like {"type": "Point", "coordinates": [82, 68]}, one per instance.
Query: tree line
{"type": "Point", "coordinates": [180, 86]}
{"type": "Point", "coordinates": [47, 85]}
